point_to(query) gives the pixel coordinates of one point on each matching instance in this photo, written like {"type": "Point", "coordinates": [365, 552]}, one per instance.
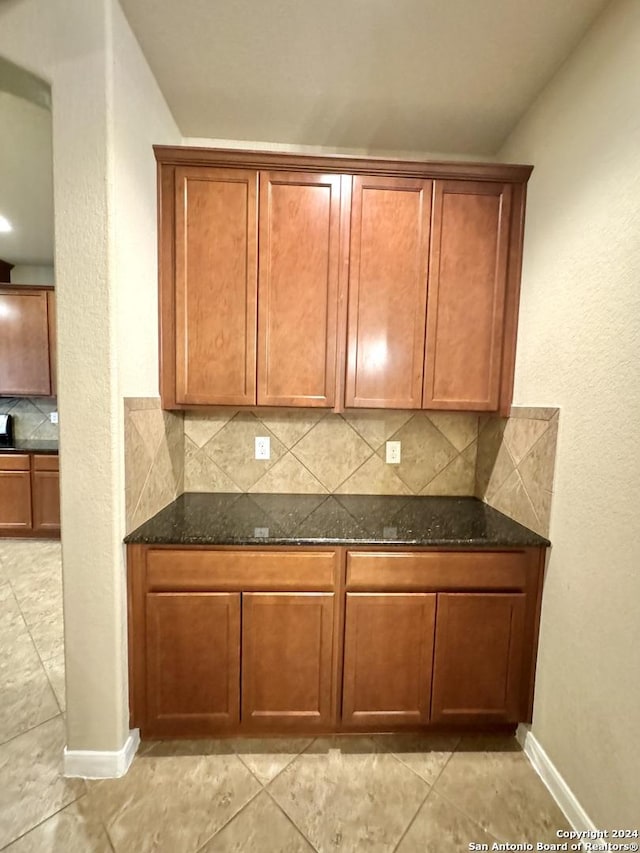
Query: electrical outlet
{"type": "Point", "coordinates": [263, 447]}
{"type": "Point", "coordinates": [53, 417]}
{"type": "Point", "coordinates": [393, 452]}
{"type": "Point", "coordinates": [261, 532]}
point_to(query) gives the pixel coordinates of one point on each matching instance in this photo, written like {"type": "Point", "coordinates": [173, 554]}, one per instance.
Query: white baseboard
{"type": "Point", "coordinates": [558, 788]}
{"type": "Point", "coordinates": [90, 764]}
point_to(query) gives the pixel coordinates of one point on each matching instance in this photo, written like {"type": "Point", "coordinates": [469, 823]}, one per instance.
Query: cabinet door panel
{"type": "Point", "coordinates": [390, 220]}
{"type": "Point", "coordinates": [387, 659]}
{"type": "Point", "coordinates": [287, 644]}
{"type": "Point", "coordinates": [15, 500]}
{"type": "Point", "coordinates": [46, 501]}
{"type": "Point", "coordinates": [298, 288]}
{"type": "Point", "coordinates": [478, 657]}
{"type": "Point", "coordinates": [193, 662]}
{"type": "Point", "coordinates": [216, 284]}
{"type": "Point", "coordinates": [24, 343]}
{"type": "Point", "coordinates": [467, 288]}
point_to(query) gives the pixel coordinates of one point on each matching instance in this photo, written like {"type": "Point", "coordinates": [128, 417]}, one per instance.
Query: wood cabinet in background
{"type": "Point", "coordinates": [29, 495]}
{"type": "Point", "coordinates": [209, 330]}
{"type": "Point", "coordinates": [45, 490]}
{"type": "Point", "coordinates": [193, 662]}
{"type": "Point", "coordinates": [27, 341]}
{"type": "Point", "coordinates": [15, 494]}
{"type": "Point", "coordinates": [468, 278]}
{"type": "Point", "coordinates": [299, 270]}
{"type": "Point", "coordinates": [478, 657]}
{"type": "Point", "coordinates": [275, 641]}
{"type": "Point", "coordinates": [388, 653]}
{"type": "Point", "coordinates": [390, 221]}
{"type": "Point", "coordinates": [287, 659]}
{"type": "Point", "coordinates": [288, 280]}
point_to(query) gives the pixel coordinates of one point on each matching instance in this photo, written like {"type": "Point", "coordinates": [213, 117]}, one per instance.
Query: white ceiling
{"type": "Point", "coordinates": [413, 75]}
{"type": "Point", "coordinates": [26, 181]}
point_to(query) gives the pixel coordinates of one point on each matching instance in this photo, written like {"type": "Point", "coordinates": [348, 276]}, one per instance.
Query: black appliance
{"type": "Point", "coordinates": [6, 430]}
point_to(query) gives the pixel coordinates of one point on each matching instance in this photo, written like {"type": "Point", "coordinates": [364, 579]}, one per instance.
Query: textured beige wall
{"type": "Point", "coordinates": [154, 458]}
{"type": "Point", "coordinates": [516, 463]}
{"type": "Point", "coordinates": [99, 78]}
{"type": "Point", "coordinates": [579, 348]}
{"type": "Point", "coordinates": [316, 452]}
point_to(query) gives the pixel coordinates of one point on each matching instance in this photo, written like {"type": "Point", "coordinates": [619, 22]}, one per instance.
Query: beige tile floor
{"type": "Point", "coordinates": [393, 793]}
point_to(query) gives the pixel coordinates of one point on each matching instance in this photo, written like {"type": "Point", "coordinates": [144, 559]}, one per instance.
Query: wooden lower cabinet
{"type": "Point", "coordinates": [15, 501]}
{"type": "Point", "coordinates": [478, 662]}
{"type": "Point", "coordinates": [193, 662]}
{"type": "Point", "coordinates": [388, 652]}
{"type": "Point", "coordinates": [29, 495]}
{"type": "Point", "coordinates": [448, 638]}
{"type": "Point", "coordinates": [287, 661]}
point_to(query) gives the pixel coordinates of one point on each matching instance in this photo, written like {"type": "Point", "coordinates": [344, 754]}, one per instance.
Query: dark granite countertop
{"type": "Point", "coordinates": [30, 445]}
{"type": "Point", "coordinates": [261, 519]}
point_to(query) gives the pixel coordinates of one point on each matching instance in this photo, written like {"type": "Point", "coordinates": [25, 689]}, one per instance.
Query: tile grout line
{"type": "Point", "coordinates": [236, 814]}
{"type": "Point", "coordinates": [37, 650]}
{"type": "Point", "coordinates": [49, 817]}
{"type": "Point", "coordinates": [413, 819]}
{"type": "Point", "coordinates": [290, 819]}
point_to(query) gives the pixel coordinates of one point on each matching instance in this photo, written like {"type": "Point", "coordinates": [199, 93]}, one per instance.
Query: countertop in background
{"type": "Point", "coordinates": [271, 519]}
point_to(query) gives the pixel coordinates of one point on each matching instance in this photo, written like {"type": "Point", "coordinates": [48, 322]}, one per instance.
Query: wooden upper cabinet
{"type": "Point", "coordinates": [288, 280]}
{"type": "Point", "coordinates": [390, 222]}
{"type": "Point", "coordinates": [468, 268]}
{"type": "Point", "coordinates": [24, 342]}
{"type": "Point", "coordinates": [215, 286]}
{"type": "Point", "coordinates": [299, 237]}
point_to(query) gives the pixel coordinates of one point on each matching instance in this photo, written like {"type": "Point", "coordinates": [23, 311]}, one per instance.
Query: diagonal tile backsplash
{"type": "Point", "coordinates": [31, 417]}
{"type": "Point", "coordinates": [516, 463]}
{"type": "Point", "coordinates": [319, 452]}
{"type": "Point", "coordinates": [508, 463]}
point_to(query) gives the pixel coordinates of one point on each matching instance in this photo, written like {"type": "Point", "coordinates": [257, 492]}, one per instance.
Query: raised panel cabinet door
{"type": "Point", "coordinates": [24, 343]}
{"type": "Point", "coordinates": [299, 264]}
{"type": "Point", "coordinates": [215, 285]}
{"type": "Point", "coordinates": [46, 501]}
{"type": "Point", "coordinates": [390, 222]}
{"type": "Point", "coordinates": [193, 662]}
{"type": "Point", "coordinates": [478, 657]}
{"type": "Point", "coordinates": [287, 652]}
{"type": "Point", "coordinates": [467, 290]}
{"type": "Point", "coordinates": [15, 500]}
{"type": "Point", "coordinates": [387, 659]}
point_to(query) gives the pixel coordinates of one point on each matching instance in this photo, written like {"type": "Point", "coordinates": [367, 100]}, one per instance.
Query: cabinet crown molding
{"type": "Point", "coordinates": [349, 164]}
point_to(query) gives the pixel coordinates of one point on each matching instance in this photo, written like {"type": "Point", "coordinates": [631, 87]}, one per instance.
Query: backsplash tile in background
{"type": "Point", "coordinates": [31, 417]}
{"type": "Point", "coordinates": [516, 463]}
{"type": "Point", "coordinates": [153, 459]}
{"type": "Point", "coordinates": [508, 463]}
{"type": "Point", "coordinates": [320, 452]}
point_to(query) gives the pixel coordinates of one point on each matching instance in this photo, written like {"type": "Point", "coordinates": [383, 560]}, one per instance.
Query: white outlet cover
{"type": "Point", "coordinates": [263, 447]}
{"type": "Point", "coordinates": [53, 417]}
{"type": "Point", "coordinates": [394, 452]}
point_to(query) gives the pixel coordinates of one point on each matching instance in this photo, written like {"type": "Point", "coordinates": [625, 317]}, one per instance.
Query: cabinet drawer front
{"type": "Point", "coordinates": [240, 570]}
{"type": "Point", "coordinates": [437, 570]}
{"type": "Point", "coordinates": [49, 462]}
{"type": "Point", "coordinates": [14, 462]}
